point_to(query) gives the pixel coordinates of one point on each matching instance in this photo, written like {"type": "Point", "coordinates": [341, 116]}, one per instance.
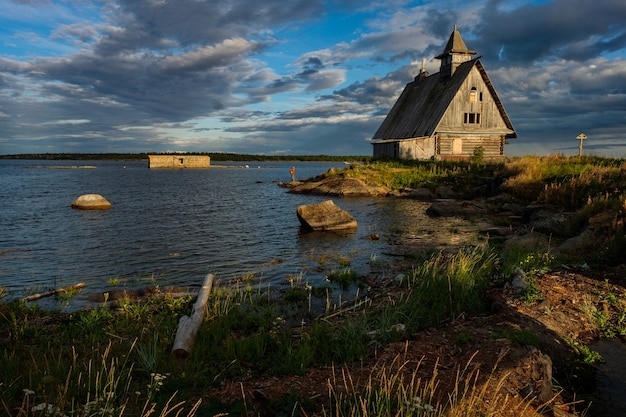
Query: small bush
{"type": "Point", "coordinates": [478, 155]}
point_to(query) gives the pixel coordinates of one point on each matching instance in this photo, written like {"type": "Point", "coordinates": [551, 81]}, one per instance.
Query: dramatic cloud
{"type": "Point", "coordinates": [297, 76]}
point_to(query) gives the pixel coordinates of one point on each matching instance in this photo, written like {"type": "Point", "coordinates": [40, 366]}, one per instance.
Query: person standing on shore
{"type": "Point", "coordinates": [292, 171]}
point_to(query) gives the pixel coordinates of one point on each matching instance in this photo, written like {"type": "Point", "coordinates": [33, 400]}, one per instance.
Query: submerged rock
{"type": "Point", "coordinates": [91, 202]}
{"type": "Point", "coordinates": [325, 216]}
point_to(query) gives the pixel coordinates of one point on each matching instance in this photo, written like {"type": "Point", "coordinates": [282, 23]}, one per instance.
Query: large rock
{"type": "Point", "coordinates": [531, 241]}
{"type": "Point", "coordinates": [337, 186]}
{"type": "Point", "coordinates": [91, 202]}
{"type": "Point", "coordinates": [421, 194]}
{"type": "Point", "coordinates": [447, 208]}
{"type": "Point", "coordinates": [325, 216]}
{"type": "Point", "coordinates": [550, 223]}
{"type": "Point", "coordinates": [578, 245]}
{"type": "Point", "coordinates": [445, 192]}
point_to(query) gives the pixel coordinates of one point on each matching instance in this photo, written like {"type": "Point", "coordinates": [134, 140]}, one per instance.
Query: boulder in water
{"type": "Point", "coordinates": [325, 216]}
{"type": "Point", "coordinates": [91, 202]}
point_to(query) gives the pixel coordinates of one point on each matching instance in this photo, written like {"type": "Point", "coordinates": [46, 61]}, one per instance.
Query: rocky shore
{"type": "Point", "coordinates": [528, 225]}
{"type": "Point", "coordinates": [563, 311]}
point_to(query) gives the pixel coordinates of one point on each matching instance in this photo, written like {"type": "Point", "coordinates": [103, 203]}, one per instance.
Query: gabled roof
{"type": "Point", "coordinates": [423, 103]}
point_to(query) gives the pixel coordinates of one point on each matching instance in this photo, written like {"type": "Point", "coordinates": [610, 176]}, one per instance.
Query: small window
{"type": "Point", "coordinates": [471, 118]}
{"type": "Point", "coordinates": [480, 96]}
{"type": "Point", "coordinates": [472, 97]}
{"type": "Point", "coordinates": [181, 160]}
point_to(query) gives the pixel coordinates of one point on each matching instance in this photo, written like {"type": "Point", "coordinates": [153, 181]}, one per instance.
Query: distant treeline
{"type": "Point", "coordinates": [214, 157]}
{"type": "Point", "coordinates": [301, 158]}
{"type": "Point", "coordinates": [80, 156]}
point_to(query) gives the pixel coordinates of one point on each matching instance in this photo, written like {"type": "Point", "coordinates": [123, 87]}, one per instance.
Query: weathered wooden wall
{"type": "Point", "coordinates": [492, 145]}
{"type": "Point", "coordinates": [490, 117]}
{"type": "Point", "coordinates": [419, 148]}
{"type": "Point", "coordinates": [416, 148]}
{"type": "Point", "coordinates": [385, 150]}
{"type": "Point", "coordinates": [179, 161]}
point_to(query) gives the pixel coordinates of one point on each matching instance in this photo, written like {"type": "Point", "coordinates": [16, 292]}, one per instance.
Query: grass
{"type": "Point", "coordinates": [566, 181]}
{"type": "Point", "coordinates": [448, 286]}
{"type": "Point", "coordinates": [586, 185]}
{"type": "Point", "coordinates": [532, 263]}
{"type": "Point", "coordinates": [611, 316]}
{"type": "Point", "coordinates": [401, 389]}
{"type": "Point", "coordinates": [345, 278]}
{"type": "Point", "coordinates": [118, 360]}
{"type": "Point", "coordinates": [588, 356]}
{"type": "Point", "coordinates": [461, 176]}
{"type": "Point", "coordinates": [521, 337]}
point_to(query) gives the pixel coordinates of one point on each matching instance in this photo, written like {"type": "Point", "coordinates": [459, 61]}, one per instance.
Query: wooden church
{"type": "Point", "coordinates": [447, 115]}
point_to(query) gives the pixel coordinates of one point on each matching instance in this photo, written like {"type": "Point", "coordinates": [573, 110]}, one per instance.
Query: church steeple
{"type": "Point", "coordinates": [454, 54]}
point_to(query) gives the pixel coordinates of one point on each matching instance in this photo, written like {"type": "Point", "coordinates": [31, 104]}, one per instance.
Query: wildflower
{"type": "Point", "coordinates": [156, 382]}
{"type": "Point", "coordinates": [49, 409]}
{"type": "Point", "coordinates": [28, 391]}
{"type": "Point", "coordinates": [415, 404]}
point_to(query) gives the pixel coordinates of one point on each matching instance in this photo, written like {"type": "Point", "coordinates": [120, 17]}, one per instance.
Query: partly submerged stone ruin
{"type": "Point", "coordinates": [180, 161]}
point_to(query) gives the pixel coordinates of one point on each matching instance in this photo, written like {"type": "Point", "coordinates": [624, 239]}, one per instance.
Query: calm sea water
{"type": "Point", "coordinates": [172, 227]}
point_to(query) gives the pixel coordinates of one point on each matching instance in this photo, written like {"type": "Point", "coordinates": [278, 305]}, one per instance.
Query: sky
{"type": "Point", "coordinates": [296, 77]}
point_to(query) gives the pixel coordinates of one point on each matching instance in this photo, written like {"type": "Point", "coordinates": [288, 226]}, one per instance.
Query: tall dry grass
{"type": "Point", "coordinates": [404, 389]}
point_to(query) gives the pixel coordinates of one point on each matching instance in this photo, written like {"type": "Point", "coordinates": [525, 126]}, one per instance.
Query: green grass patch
{"type": "Point", "coordinates": [588, 356]}
{"type": "Point", "coordinates": [447, 286]}
{"type": "Point", "coordinates": [520, 337]}
{"type": "Point", "coordinates": [345, 277]}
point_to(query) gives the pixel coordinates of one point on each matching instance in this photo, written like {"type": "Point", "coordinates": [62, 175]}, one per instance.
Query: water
{"type": "Point", "coordinates": [611, 378]}
{"type": "Point", "coordinates": [172, 227]}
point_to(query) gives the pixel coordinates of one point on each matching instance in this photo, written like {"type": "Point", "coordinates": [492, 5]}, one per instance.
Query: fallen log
{"type": "Point", "coordinates": [53, 292]}
{"type": "Point", "coordinates": [188, 326]}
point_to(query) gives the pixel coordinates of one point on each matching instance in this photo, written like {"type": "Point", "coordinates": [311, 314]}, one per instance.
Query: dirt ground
{"type": "Point", "coordinates": [529, 379]}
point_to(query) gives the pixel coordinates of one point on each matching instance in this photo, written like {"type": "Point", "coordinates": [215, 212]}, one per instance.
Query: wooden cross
{"type": "Point", "coordinates": [581, 137]}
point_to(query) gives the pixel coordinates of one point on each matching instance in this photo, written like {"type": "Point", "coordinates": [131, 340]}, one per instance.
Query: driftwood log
{"type": "Point", "coordinates": [53, 292]}
{"type": "Point", "coordinates": [188, 326]}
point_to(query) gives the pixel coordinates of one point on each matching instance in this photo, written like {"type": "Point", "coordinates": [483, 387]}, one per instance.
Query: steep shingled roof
{"type": "Point", "coordinates": [421, 106]}
{"type": "Point", "coordinates": [423, 103]}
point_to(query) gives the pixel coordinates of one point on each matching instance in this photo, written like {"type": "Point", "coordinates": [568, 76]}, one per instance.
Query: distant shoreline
{"type": "Point", "coordinates": [63, 166]}
{"type": "Point", "coordinates": [215, 157]}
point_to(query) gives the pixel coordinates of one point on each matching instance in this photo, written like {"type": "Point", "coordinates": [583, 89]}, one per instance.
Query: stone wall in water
{"type": "Point", "coordinates": [179, 161]}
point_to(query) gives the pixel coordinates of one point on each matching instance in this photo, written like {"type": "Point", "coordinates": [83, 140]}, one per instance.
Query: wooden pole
{"type": "Point", "coordinates": [53, 292]}
{"type": "Point", "coordinates": [188, 326]}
